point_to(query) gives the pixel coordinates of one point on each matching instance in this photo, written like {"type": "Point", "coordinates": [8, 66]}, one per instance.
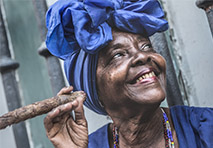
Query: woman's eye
{"type": "Point", "coordinates": [146, 47]}
{"type": "Point", "coordinates": [117, 55]}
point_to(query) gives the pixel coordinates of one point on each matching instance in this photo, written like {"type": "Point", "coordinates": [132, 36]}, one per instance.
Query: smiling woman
{"type": "Point", "coordinates": [130, 65]}
{"type": "Point", "coordinates": [108, 54]}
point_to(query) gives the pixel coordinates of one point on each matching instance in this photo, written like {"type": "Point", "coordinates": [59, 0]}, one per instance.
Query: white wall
{"type": "Point", "coordinates": [194, 46]}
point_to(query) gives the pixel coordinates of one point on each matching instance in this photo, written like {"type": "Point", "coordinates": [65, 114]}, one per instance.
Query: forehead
{"type": "Point", "coordinates": [122, 39]}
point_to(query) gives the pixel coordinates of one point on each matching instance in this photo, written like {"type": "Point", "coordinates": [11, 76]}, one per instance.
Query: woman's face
{"type": "Point", "coordinates": [130, 73]}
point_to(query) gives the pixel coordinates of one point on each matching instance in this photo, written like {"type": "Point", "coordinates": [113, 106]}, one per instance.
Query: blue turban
{"type": "Point", "coordinates": [78, 29]}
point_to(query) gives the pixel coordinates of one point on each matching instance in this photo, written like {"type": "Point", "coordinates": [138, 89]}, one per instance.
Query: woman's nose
{"type": "Point", "coordinates": [140, 58]}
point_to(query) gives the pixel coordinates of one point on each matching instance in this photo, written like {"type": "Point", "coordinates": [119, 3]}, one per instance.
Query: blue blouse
{"type": "Point", "coordinates": [193, 125]}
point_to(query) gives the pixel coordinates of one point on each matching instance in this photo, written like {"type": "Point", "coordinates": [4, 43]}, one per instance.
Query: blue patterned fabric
{"type": "Point", "coordinates": [78, 29]}
{"type": "Point", "coordinates": [193, 126]}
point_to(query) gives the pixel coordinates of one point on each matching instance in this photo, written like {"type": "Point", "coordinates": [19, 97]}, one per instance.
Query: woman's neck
{"type": "Point", "coordinates": [144, 130]}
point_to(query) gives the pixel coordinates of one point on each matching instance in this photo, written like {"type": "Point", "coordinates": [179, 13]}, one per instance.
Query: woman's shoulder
{"type": "Point", "coordinates": [193, 125]}
{"type": "Point", "coordinates": [183, 107]}
{"type": "Point", "coordinates": [192, 116]}
{"type": "Point", "coordinates": [99, 138]}
{"type": "Point", "coordinates": [192, 113]}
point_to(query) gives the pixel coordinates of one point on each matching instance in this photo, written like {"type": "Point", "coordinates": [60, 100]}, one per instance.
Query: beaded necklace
{"type": "Point", "coordinates": [167, 131]}
{"type": "Point", "coordinates": [115, 136]}
{"type": "Point", "coordinates": [169, 141]}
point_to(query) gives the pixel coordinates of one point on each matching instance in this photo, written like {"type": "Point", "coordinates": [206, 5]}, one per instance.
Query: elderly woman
{"type": "Point", "coordinates": [108, 55]}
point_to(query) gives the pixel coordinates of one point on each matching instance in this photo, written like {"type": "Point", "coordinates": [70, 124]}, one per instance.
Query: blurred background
{"type": "Point", "coordinates": [29, 73]}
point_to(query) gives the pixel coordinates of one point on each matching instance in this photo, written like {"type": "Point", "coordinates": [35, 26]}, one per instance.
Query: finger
{"type": "Point", "coordinates": [48, 120]}
{"type": "Point", "coordinates": [56, 114]}
{"type": "Point", "coordinates": [79, 111]}
{"type": "Point", "coordinates": [64, 109]}
{"type": "Point", "coordinates": [65, 90]}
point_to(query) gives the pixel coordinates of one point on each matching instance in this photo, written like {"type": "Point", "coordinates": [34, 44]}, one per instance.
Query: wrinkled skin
{"type": "Point", "coordinates": [126, 57]}
{"type": "Point", "coordinates": [131, 102]}
{"type": "Point", "coordinates": [62, 130]}
{"type": "Point", "coordinates": [131, 98]}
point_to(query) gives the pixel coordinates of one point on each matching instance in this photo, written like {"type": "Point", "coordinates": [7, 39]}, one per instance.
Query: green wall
{"type": "Point", "coordinates": [32, 73]}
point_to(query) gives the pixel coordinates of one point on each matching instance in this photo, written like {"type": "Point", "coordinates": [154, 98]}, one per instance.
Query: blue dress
{"type": "Point", "coordinates": [193, 125]}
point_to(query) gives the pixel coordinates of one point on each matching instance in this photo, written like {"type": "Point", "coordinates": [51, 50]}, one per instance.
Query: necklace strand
{"type": "Point", "coordinates": [115, 136]}
{"type": "Point", "coordinates": [169, 141]}
{"type": "Point", "coordinates": [167, 131]}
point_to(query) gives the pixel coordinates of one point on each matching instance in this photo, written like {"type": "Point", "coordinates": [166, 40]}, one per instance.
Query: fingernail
{"type": "Point", "coordinates": [74, 102]}
{"type": "Point", "coordinates": [54, 110]}
{"type": "Point", "coordinates": [65, 105]}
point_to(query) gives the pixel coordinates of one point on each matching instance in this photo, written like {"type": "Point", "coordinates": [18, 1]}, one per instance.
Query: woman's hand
{"type": "Point", "coordinates": [64, 131]}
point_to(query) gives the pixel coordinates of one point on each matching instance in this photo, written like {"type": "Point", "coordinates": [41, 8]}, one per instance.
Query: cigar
{"type": "Point", "coordinates": [37, 108]}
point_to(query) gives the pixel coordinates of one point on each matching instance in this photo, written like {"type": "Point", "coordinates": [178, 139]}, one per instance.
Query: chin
{"type": "Point", "coordinates": [151, 97]}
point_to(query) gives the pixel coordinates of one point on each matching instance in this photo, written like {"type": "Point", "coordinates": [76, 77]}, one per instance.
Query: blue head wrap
{"type": "Point", "coordinates": [78, 29]}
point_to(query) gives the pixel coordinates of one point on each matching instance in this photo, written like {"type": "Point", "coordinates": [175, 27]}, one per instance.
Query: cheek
{"type": "Point", "coordinates": [162, 64]}
{"type": "Point", "coordinates": [117, 75]}
{"type": "Point", "coordinates": [161, 61]}
{"type": "Point", "coordinates": [110, 80]}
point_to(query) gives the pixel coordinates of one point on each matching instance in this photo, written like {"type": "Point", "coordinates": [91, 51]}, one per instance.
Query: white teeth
{"type": "Point", "coordinates": [153, 74]}
{"type": "Point", "coordinates": [147, 75]}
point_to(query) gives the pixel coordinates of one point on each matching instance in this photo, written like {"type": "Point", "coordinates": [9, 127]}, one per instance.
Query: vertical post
{"type": "Point", "coordinates": [7, 69]}
{"type": "Point", "coordinates": [53, 64]}
{"type": "Point", "coordinates": [207, 6]}
{"type": "Point", "coordinates": [174, 96]}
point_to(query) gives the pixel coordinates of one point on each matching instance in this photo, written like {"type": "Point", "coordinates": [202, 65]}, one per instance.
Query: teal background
{"type": "Point", "coordinates": [32, 74]}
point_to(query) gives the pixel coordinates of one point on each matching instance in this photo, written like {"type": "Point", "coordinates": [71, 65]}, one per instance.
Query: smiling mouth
{"type": "Point", "coordinates": [146, 76]}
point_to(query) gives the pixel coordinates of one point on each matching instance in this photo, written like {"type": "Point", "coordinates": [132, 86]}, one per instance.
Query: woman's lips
{"type": "Point", "coordinates": [146, 77]}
